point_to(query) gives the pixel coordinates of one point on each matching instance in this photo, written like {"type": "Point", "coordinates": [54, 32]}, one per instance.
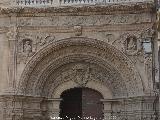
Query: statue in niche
{"type": "Point", "coordinates": [27, 47]}
{"type": "Point", "coordinates": [131, 43]}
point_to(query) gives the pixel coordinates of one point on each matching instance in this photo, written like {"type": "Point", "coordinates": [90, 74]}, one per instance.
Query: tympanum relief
{"type": "Point", "coordinates": [81, 73]}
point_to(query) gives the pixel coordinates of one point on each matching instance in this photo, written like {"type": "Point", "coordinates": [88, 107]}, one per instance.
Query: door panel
{"type": "Point", "coordinates": [71, 104]}
{"type": "Point", "coordinates": [91, 105]}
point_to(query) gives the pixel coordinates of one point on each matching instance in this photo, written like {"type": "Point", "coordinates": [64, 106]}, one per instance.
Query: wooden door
{"type": "Point", "coordinates": [81, 104]}
{"type": "Point", "coordinates": [71, 104]}
{"type": "Point", "coordinates": [91, 105]}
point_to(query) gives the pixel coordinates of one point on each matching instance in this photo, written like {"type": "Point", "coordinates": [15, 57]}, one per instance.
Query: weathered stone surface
{"type": "Point", "coordinates": [46, 51]}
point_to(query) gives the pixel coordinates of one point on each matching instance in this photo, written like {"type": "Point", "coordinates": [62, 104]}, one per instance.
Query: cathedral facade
{"type": "Point", "coordinates": [103, 52]}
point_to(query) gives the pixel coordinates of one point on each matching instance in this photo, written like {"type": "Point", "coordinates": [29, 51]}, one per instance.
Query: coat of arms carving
{"type": "Point", "coordinates": [82, 75]}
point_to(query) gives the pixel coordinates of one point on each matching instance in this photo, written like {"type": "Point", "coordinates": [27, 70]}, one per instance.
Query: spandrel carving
{"type": "Point", "coordinates": [29, 44]}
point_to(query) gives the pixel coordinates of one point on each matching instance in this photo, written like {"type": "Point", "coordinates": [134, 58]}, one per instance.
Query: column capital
{"type": "Point", "coordinates": [54, 99]}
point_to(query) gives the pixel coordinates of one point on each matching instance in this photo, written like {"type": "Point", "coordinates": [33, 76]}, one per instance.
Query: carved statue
{"type": "Point", "coordinates": [131, 43]}
{"type": "Point", "coordinates": [27, 47]}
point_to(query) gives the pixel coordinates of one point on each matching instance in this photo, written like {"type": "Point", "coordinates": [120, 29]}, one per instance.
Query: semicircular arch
{"type": "Point", "coordinates": [70, 50]}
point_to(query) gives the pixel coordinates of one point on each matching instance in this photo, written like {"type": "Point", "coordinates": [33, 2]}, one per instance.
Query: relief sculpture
{"type": "Point", "coordinates": [132, 43]}
{"type": "Point", "coordinates": [27, 47]}
{"type": "Point", "coordinates": [82, 75]}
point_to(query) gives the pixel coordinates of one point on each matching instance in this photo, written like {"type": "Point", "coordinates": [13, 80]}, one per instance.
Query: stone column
{"type": "Point", "coordinates": [54, 108]}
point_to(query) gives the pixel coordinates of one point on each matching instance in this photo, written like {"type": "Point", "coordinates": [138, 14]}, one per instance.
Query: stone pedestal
{"type": "Point", "coordinates": [54, 108]}
{"type": "Point", "coordinates": [107, 109]}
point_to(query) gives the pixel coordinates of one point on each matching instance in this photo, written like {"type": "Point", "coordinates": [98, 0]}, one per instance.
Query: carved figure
{"type": "Point", "coordinates": [131, 43]}
{"type": "Point", "coordinates": [27, 47]}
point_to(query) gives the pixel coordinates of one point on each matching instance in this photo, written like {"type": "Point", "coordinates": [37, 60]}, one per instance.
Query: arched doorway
{"type": "Point", "coordinates": [81, 104]}
{"type": "Point", "coordinates": [75, 62]}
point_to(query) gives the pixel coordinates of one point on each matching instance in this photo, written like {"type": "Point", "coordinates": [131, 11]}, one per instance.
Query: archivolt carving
{"type": "Point", "coordinates": [70, 50]}
{"type": "Point", "coordinates": [108, 76]}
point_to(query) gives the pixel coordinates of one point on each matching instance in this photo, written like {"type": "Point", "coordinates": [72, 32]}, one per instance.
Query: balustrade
{"type": "Point", "coordinates": [34, 2]}
{"type": "Point", "coordinates": [68, 2]}
{"type": "Point", "coordinates": [71, 2]}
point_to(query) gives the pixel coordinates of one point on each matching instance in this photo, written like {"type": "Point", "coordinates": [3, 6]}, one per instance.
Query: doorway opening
{"type": "Point", "coordinates": [81, 104]}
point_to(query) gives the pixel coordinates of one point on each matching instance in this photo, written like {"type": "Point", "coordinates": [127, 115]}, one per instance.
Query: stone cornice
{"type": "Point", "coordinates": [80, 10]}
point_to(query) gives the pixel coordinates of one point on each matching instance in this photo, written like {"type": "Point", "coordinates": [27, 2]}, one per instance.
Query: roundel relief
{"type": "Point", "coordinates": [80, 60]}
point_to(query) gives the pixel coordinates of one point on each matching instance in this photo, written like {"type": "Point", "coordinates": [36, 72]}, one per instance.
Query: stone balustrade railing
{"type": "Point", "coordinates": [71, 2]}
{"type": "Point", "coordinates": [97, 1]}
{"type": "Point", "coordinates": [34, 2]}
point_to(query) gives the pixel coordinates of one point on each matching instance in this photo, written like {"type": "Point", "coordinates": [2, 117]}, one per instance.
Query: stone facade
{"type": "Point", "coordinates": [47, 50]}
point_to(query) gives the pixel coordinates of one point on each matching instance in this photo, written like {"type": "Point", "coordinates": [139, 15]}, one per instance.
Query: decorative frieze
{"type": "Point", "coordinates": [85, 20]}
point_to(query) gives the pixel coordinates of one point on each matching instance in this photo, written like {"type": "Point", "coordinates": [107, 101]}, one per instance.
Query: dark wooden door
{"type": "Point", "coordinates": [71, 104]}
{"type": "Point", "coordinates": [81, 104]}
{"type": "Point", "coordinates": [91, 105]}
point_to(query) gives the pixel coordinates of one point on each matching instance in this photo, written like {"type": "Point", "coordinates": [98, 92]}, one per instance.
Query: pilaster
{"type": "Point", "coordinates": [54, 108]}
